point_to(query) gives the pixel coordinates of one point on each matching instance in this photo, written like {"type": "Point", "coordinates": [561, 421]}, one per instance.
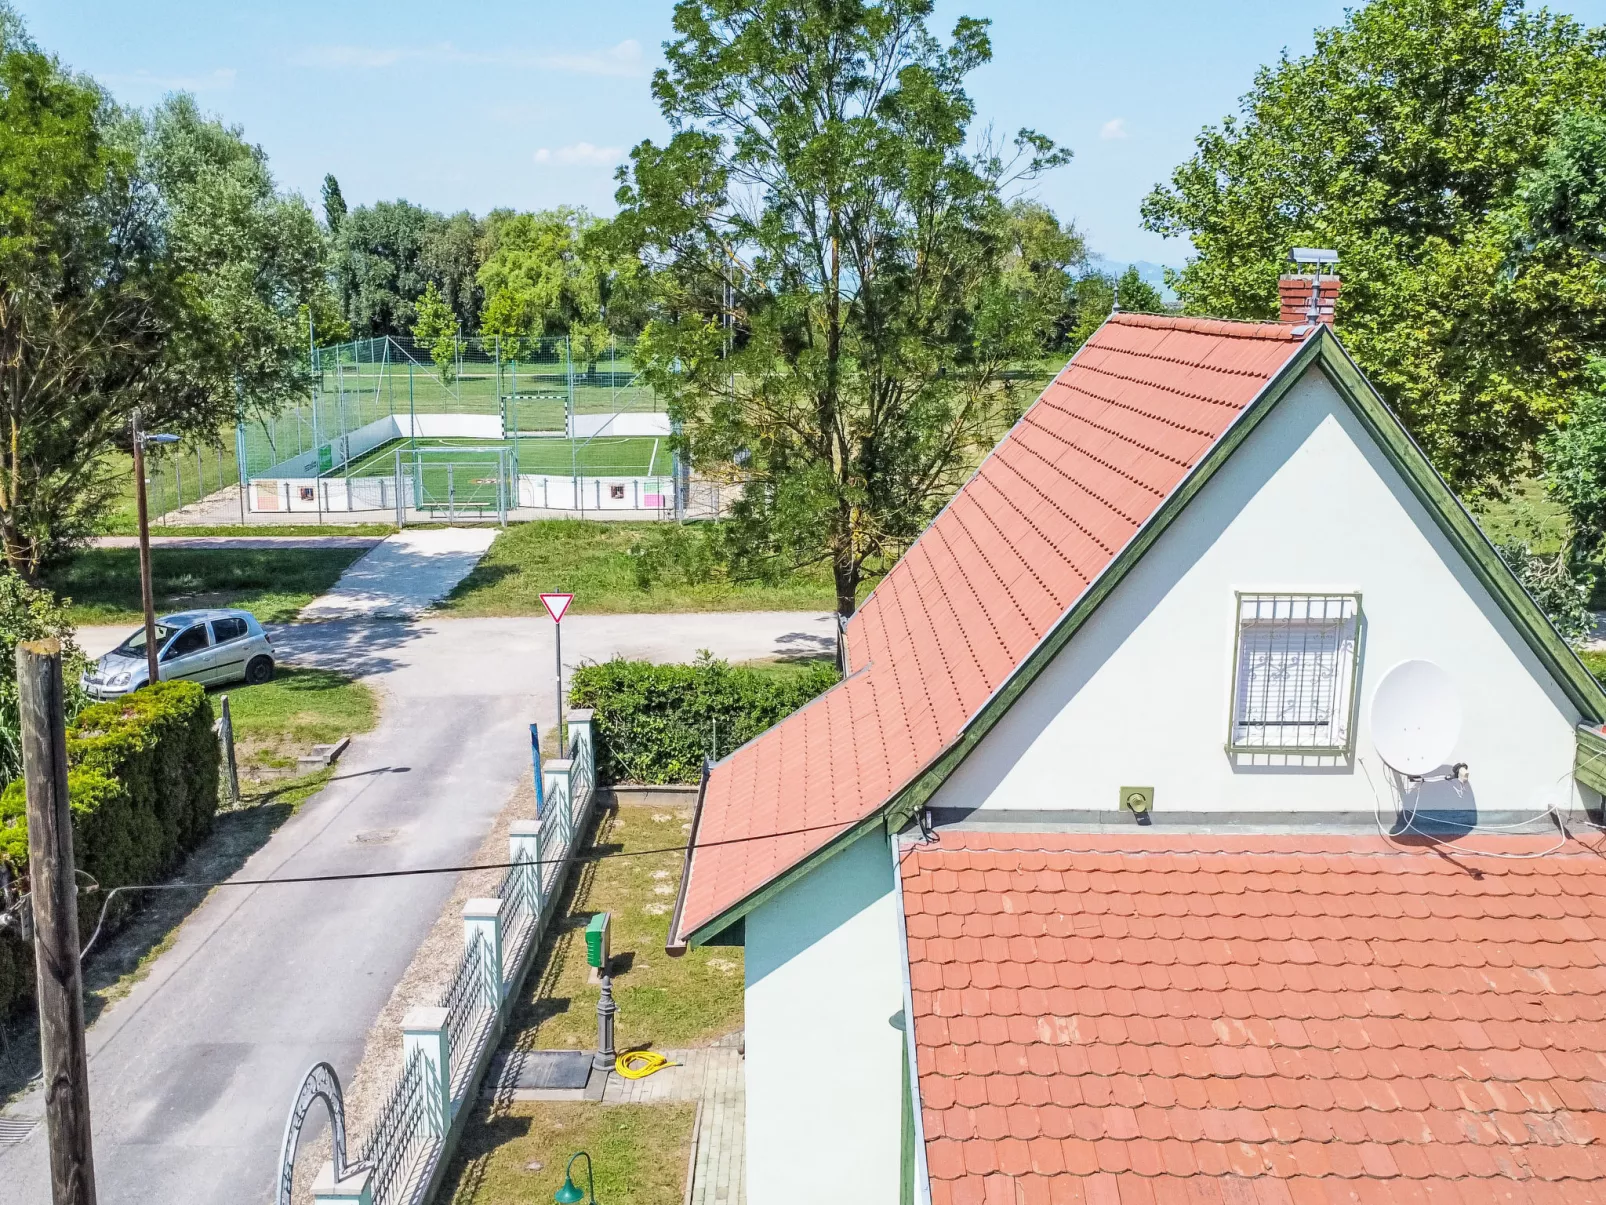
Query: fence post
{"type": "Point", "coordinates": [424, 1029]}
{"type": "Point", "coordinates": [482, 921]}
{"type": "Point", "coordinates": [556, 780]}
{"type": "Point", "coordinates": [355, 1189]}
{"type": "Point", "coordinates": [231, 767]}
{"type": "Point", "coordinates": [581, 747]}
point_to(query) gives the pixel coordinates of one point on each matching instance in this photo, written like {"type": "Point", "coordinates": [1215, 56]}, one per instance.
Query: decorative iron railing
{"type": "Point", "coordinates": [469, 1001]}
{"type": "Point", "coordinates": [403, 1133]}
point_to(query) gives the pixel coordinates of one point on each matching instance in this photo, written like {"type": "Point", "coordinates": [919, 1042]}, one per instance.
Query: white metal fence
{"type": "Point", "coordinates": [446, 1049]}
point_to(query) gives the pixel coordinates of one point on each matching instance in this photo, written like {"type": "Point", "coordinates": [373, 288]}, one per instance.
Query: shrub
{"type": "Point", "coordinates": [30, 613]}
{"type": "Point", "coordinates": [656, 723]}
{"type": "Point", "coordinates": [143, 781]}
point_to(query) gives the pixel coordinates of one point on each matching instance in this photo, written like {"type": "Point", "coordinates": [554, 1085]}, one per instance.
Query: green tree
{"type": "Point", "coordinates": [557, 272]}
{"type": "Point", "coordinates": [143, 262]}
{"type": "Point", "coordinates": [1042, 261]}
{"type": "Point", "coordinates": [379, 268]}
{"type": "Point", "coordinates": [1575, 466]}
{"type": "Point", "coordinates": [831, 258]}
{"type": "Point", "coordinates": [450, 259]}
{"type": "Point", "coordinates": [436, 328]}
{"type": "Point", "coordinates": [334, 204]}
{"type": "Point", "coordinates": [1400, 141]}
{"type": "Point", "coordinates": [1095, 293]}
{"type": "Point", "coordinates": [1562, 202]}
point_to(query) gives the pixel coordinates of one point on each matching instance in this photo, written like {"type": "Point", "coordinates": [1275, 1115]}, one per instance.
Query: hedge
{"type": "Point", "coordinates": [143, 780]}
{"type": "Point", "coordinates": [656, 723]}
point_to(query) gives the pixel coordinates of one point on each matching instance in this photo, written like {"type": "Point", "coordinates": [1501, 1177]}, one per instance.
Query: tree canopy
{"type": "Point", "coordinates": [1401, 141]}
{"type": "Point", "coordinates": [834, 259]}
{"type": "Point", "coordinates": [145, 261]}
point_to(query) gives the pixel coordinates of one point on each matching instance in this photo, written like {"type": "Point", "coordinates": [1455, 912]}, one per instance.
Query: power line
{"type": "Point", "coordinates": [354, 876]}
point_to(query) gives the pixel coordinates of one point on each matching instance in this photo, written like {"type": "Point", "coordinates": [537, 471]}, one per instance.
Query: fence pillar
{"type": "Point", "coordinates": [355, 1189]}
{"type": "Point", "coordinates": [424, 1029]}
{"type": "Point", "coordinates": [482, 921]}
{"type": "Point", "coordinates": [556, 782]}
{"type": "Point", "coordinates": [580, 740]}
{"type": "Point", "coordinates": [524, 841]}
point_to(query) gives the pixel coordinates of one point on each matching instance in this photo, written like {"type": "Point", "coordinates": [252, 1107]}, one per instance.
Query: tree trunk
{"type": "Point", "coordinates": [845, 570]}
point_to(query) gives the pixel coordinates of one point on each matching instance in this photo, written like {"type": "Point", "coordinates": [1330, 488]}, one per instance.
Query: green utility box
{"type": "Point", "coordinates": [599, 948]}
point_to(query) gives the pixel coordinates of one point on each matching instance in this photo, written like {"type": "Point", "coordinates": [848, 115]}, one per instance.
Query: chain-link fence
{"type": "Point", "coordinates": [555, 424]}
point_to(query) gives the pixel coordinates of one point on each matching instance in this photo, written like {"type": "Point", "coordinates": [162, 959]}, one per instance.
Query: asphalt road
{"type": "Point", "coordinates": [192, 1074]}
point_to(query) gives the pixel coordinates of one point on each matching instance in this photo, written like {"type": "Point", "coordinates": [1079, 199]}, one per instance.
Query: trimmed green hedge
{"type": "Point", "coordinates": [656, 723]}
{"type": "Point", "coordinates": [143, 779]}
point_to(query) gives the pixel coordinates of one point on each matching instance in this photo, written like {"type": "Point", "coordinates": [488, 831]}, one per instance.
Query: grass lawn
{"type": "Point", "coordinates": [1528, 514]}
{"type": "Point", "coordinates": [592, 560]}
{"type": "Point", "coordinates": [1594, 661]}
{"type": "Point", "coordinates": [517, 1155]}
{"type": "Point", "coordinates": [279, 720]}
{"type": "Point", "coordinates": [272, 583]}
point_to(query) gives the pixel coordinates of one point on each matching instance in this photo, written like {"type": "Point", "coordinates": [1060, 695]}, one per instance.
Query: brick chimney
{"type": "Point", "coordinates": [1312, 293]}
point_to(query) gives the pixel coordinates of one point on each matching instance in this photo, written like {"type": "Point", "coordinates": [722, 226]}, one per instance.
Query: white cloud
{"type": "Point", "coordinates": [625, 59]}
{"type": "Point", "coordinates": [213, 81]}
{"type": "Point", "coordinates": [581, 154]}
{"type": "Point", "coordinates": [1114, 128]}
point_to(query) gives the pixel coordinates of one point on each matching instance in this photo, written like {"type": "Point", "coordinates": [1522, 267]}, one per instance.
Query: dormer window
{"type": "Point", "coordinates": [1294, 668]}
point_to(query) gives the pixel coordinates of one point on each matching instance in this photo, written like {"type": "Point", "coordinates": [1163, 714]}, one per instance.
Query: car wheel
{"type": "Point", "coordinates": [259, 670]}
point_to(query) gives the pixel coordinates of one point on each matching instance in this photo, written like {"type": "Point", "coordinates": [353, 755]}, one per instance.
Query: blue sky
{"type": "Point", "coordinates": [496, 103]}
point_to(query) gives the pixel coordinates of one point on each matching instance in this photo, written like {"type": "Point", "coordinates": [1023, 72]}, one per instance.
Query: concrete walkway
{"type": "Point", "coordinates": [192, 1073]}
{"type": "Point", "coordinates": [403, 575]}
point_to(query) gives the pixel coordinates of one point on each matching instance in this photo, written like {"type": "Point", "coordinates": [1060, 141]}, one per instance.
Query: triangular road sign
{"type": "Point", "coordinates": [556, 605]}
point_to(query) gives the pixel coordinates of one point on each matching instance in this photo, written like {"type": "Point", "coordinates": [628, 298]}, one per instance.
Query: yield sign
{"type": "Point", "coordinates": [556, 605]}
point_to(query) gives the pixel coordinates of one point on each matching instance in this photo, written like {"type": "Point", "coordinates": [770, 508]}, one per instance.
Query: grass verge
{"type": "Point", "coordinates": [593, 561]}
{"type": "Point", "coordinates": [276, 722]}
{"type": "Point", "coordinates": [518, 1155]}
{"type": "Point", "coordinates": [272, 583]}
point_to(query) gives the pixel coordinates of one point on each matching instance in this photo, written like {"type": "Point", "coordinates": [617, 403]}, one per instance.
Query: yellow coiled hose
{"type": "Point", "coordinates": [639, 1064]}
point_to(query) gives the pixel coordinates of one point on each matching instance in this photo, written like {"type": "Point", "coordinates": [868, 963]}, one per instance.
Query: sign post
{"type": "Point", "coordinates": [556, 605]}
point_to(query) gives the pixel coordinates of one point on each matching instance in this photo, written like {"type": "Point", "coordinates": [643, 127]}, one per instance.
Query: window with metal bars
{"type": "Point", "coordinates": [1294, 673]}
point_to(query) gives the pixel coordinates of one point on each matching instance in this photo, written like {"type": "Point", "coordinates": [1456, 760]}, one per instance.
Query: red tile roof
{"type": "Point", "coordinates": [1305, 1020]}
{"type": "Point", "coordinates": [1053, 504]}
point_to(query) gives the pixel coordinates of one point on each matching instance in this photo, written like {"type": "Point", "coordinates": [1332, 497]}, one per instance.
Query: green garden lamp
{"type": "Point", "coordinates": [570, 1193]}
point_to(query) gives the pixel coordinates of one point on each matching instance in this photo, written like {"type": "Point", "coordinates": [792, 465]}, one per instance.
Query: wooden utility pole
{"type": "Point", "coordinates": [144, 550]}
{"type": "Point", "coordinates": [53, 892]}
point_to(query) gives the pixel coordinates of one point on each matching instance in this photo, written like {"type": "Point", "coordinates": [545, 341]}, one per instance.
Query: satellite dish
{"type": "Point", "coordinates": [1416, 717]}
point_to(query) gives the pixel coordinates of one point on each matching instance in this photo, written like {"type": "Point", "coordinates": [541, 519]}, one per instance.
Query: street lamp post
{"type": "Point", "coordinates": [139, 439]}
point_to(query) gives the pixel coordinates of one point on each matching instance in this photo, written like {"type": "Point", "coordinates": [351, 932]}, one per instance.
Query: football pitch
{"type": "Point", "coordinates": [605, 456]}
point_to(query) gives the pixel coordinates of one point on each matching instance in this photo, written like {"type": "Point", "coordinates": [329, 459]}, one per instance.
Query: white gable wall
{"type": "Point", "coordinates": [824, 967]}
{"type": "Point", "coordinates": [1141, 695]}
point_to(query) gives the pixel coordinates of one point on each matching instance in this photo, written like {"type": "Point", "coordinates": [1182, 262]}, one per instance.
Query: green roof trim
{"type": "Point", "coordinates": [1322, 350]}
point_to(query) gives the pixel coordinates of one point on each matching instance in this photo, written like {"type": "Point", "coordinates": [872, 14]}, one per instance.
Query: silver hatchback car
{"type": "Point", "coordinates": [209, 647]}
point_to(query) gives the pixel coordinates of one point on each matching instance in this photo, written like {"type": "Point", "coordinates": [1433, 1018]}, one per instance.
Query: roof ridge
{"type": "Point", "coordinates": [1232, 328]}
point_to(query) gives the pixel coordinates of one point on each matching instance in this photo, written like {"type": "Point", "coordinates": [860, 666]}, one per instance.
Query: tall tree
{"type": "Point", "coordinates": [833, 257]}
{"type": "Point", "coordinates": [437, 330]}
{"type": "Point", "coordinates": [378, 266]}
{"type": "Point", "coordinates": [1043, 259]}
{"type": "Point", "coordinates": [450, 259]}
{"type": "Point", "coordinates": [1400, 141]}
{"type": "Point", "coordinates": [143, 262]}
{"type": "Point", "coordinates": [334, 204]}
{"type": "Point", "coordinates": [557, 272]}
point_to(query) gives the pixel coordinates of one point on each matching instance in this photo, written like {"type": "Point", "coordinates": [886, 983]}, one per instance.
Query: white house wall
{"type": "Point", "coordinates": [824, 1059]}
{"type": "Point", "coordinates": [1141, 695]}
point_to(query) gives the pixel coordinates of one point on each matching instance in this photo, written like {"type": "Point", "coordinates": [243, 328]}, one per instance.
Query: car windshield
{"type": "Point", "coordinates": [134, 646]}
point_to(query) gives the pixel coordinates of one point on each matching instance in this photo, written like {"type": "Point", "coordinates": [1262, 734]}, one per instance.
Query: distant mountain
{"type": "Point", "coordinates": [1152, 273]}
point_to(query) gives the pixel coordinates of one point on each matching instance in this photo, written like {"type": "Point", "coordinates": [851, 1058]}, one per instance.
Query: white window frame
{"type": "Point", "coordinates": [1295, 668]}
